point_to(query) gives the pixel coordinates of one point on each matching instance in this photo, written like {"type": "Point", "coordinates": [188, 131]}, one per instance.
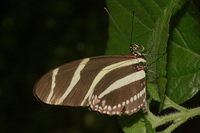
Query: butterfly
{"type": "Point", "coordinates": [109, 84]}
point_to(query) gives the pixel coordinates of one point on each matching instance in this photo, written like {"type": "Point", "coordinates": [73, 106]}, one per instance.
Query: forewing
{"type": "Point", "coordinates": [73, 83]}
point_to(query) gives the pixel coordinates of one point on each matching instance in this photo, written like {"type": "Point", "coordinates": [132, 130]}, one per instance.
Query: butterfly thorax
{"type": "Point", "coordinates": [135, 51]}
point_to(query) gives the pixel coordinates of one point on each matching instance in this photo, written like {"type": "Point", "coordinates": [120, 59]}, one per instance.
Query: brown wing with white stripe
{"type": "Point", "coordinates": [121, 92]}
{"type": "Point", "coordinates": [75, 82]}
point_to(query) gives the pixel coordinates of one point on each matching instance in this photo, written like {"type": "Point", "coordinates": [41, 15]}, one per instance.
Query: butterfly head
{"type": "Point", "coordinates": [136, 49]}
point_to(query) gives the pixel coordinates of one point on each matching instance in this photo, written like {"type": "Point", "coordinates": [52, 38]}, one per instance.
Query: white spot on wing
{"type": "Point", "coordinates": [53, 84]}
{"type": "Point", "coordinates": [103, 103]}
{"type": "Point", "coordinates": [135, 97]}
{"type": "Point", "coordinates": [113, 112]}
{"type": "Point", "coordinates": [144, 100]}
{"type": "Point", "coordinates": [100, 108]}
{"type": "Point", "coordinates": [131, 99]}
{"type": "Point", "coordinates": [109, 107]}
{"type": "Point", "coordinates": [127, 101]}
{"type": "Point", "coordinates": [91, 106]}
{"type": "Point", "coordinates": [138, 95]}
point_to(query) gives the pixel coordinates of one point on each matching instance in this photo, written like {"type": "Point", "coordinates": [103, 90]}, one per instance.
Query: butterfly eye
{"type": "Point", "coordinates": [135, 48]}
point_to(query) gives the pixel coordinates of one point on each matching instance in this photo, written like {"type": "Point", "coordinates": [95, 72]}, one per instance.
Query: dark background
{"type": "Point", "coordinates": [35, 38]}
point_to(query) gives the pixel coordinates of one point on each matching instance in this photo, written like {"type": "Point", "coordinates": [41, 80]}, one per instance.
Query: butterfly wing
{"type": "Point", "coordinates": [76, 83]}
{"type": "Point", "coordinates": [120, 91]}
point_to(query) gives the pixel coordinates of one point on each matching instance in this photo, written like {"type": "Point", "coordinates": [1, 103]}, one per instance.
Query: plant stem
{"type": "Point", "coordinates": [178, 118]}
{"type": "Point", "coordinates": [169, 103]}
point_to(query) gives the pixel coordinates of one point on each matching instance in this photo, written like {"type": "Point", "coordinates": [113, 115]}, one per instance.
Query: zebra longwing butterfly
{"type": "Point", "coordinates": [109, 84]}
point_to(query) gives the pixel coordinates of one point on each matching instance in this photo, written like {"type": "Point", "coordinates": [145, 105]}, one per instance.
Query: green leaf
{"type": "Point", "coordinates": [148, 125]}
{"type": "Point", "coordinates": [122, 12]}
{"type": "Point", "coordinates": [159, 38]}
{"type": "Point", "coordinates": [184, 52]}
{"type": "Point", "coordinates": [133, 124]}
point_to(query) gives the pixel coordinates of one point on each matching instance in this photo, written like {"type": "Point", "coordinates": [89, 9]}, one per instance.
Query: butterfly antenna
{"type": "Point", "coordinates": [132, 27]}
{"type": "Point", "coordinates": [115, 24]}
